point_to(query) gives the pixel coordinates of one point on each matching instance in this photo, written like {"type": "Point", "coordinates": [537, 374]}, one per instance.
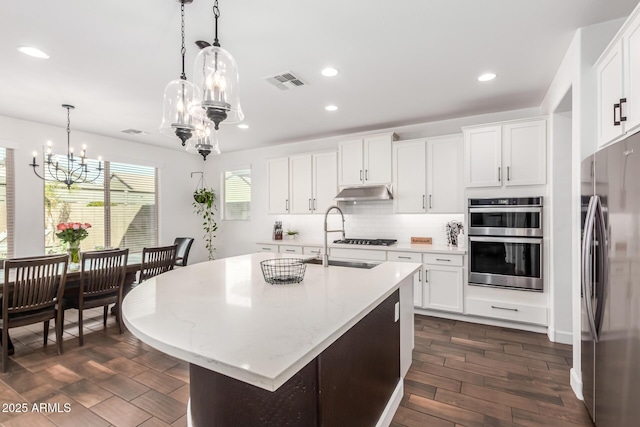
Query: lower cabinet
{"type": "Point", "coordinates": [442, 288]}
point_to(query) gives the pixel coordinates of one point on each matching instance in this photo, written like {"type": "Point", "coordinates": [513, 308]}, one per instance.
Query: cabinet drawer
{"type": "Point", "coordinates": [291, 249]}
{"type": "Point", "coordinates": [268, 248]}
{"type": "Point", "coordinates": [507, 311]}
{"type": "Point", "coordinates": [311, 250]}
{"type": "Point", "coordinates": [442, 259]}
{"type": "Point", "coordinates": [360, 254]}
{"type": "Point", "coordinates": [404, 257]}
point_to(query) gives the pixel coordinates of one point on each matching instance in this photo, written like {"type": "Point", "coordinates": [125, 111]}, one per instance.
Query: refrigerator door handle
{"type": "Point", "coordinates": [587, 278]}
{"type": "Point", "coordinates": [602, 283]}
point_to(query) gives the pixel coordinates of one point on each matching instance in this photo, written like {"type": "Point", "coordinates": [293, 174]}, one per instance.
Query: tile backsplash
{"type": "Point", "coordinates": [370, 220]}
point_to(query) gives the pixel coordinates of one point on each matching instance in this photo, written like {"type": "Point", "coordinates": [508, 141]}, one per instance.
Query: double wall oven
{"type": "Point", "coordinates": [505, 243]}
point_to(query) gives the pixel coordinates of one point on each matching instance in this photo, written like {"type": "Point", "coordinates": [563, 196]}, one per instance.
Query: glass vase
{"type": "Point", "coordinates": [73, 249]}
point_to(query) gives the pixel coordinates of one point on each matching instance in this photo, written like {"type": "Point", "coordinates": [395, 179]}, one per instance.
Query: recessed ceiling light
{"type": "Point", "coordinates": [243, 126]}
{"type": "Point", "coordinates": [329, 72]}
{"type": "Point", "coordinates": [32, 51]}
{"type": "Point", "coordinates": [331, 108]}
{"type": "Point", "coordinates": [486, 77]}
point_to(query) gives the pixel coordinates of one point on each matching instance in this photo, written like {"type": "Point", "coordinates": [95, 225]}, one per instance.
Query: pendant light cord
{"type": "Point", "coordinates": [183, 50]}
{"type": "Point", "coordinates": [216, 14]}
{"type": "Point", "coordinates": [69, 140]}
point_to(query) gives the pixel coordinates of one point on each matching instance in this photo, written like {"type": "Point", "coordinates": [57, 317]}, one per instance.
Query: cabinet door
{"type": "Point", "coordinates": [417, 289]}
{"type": "Point", "coordinates": [325, 181]}
{"type": "Point", "coordinates": [278, 186]}
{"type": "Point", "coordinates": [300, 184]}
{"type": "Point", "coordinates": [483, 156]}
{"type": "Point", "coordinates": [525, 153]}
{"type": "Point", "coordinates": [443, 288]}
{"type": "Point", "coordinates": [351, 162]}
{"type": "Point", "coordinates": [609, 75]}
{"type": "Point", "coordinates": [377, 160]}
{"type": "Point", "coordinates": [444, 175]}
{"type": "Point", "coordinates": [631, 109]}
{"type": "Point", "coordinates": [409, 177]}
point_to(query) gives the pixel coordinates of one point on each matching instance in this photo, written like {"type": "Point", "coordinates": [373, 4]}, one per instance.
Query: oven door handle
{"type": "Point", "coordinates": [500, 209]}
{"type": "Point", "coordinates": [534, 240]}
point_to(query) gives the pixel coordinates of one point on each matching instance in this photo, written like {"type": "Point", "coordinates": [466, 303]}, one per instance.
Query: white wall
{"type": "Point", "coordinates": [371, 220]}
{"type": "Point", "coordinates": [175, 185]}
{"type": "Point", "coordinates": [576, 74]}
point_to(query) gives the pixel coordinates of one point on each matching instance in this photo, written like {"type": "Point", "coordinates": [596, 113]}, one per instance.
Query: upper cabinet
{"type": "Point", "coordinates": [303, 184]}
{"type": "Point", "coordinates": [427, 175]}
{"type": "Point", "coordinates": [365, 161]}
{"type": "Point", "coordinates": [619, 84]}
{"type": "Point", "coordinates": [509, 154]}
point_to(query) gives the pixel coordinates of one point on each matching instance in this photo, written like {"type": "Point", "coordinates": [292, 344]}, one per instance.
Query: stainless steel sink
{"type": "Point", "coordinates": [351, 264]}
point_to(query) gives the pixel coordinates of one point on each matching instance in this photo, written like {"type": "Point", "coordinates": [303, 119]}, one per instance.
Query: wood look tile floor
{"type": "Point", "coordinates": [462, 374]}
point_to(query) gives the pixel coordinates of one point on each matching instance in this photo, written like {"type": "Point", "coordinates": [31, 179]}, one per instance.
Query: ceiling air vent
{"type": "Point", "coordinates": [285, 81]}
{"type": "Point", "coordinates": [135, 132]}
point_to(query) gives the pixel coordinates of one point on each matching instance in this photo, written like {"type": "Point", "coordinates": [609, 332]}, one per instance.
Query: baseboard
{"type": "Point", "coordinates": [392, 405]}
{"type": "Point", "coordinates": [483, 320]}
{"type": "Point", "coordinates": [562, 337]}
{"type": "Point", "coordinates": [576, 383]}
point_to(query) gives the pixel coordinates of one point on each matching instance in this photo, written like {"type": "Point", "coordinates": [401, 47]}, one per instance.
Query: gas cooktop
{"type": "Point", "coordinates": [368, 242]}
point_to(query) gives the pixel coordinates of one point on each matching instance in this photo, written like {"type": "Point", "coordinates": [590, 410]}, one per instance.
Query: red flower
{"type": "Point", "coordinates": [62, 227]}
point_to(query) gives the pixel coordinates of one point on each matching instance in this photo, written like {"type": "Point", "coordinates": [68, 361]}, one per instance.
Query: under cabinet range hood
{"type": "Point", "coordinates": [372, 192]}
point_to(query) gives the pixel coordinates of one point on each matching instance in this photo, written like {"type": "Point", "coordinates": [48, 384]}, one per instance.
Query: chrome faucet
{"type": "Point", "coordinates": [325, 255]}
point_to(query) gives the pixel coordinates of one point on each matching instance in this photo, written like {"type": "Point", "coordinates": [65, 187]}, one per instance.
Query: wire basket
{"type": "Point", "coordinates": [283, 271]}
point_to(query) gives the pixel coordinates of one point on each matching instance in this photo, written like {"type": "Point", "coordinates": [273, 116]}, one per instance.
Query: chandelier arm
{"type": "Point", "coordinates": [35, 170]}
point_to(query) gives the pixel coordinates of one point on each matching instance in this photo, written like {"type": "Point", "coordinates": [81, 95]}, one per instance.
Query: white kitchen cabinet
{"type": "Point", "coordinates": [618, 83]}
{"type": "Point", "coordinates": [325, 181]}
{"type": "Point", "coordinates": [262, 247]}
{"type": "Point", "coordinates": [506, 154]}
{"type": "Point", "coordinates": [417, 278]}
{"type": "Point", "coordinates": [365, 161]}
{"type": "Point", "coordinates": [278, 185]}
{"type": "Point", "coordinates": [443, 288]}
{"type": "Point", "coordinates": [444, 174]}
{"type": "Point", "coordinates": [300, 183]}
{"type": "Point", "coordinates": [409, 176]}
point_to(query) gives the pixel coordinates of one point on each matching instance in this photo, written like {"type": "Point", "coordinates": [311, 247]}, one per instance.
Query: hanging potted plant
{"type": "Point", "coordinates": [204, 206]}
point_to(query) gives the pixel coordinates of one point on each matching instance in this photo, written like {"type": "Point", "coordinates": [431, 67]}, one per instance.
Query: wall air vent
{"type": "Point", "coordinates": [135, 132]}
{"type": "Point", "coordinates": [285, 81]}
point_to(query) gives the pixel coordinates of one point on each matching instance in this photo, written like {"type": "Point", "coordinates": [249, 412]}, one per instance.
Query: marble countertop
{"type": "Point", "coordinates": [223, 316]}
{"type": "Point", "coordinates": [404, 247]}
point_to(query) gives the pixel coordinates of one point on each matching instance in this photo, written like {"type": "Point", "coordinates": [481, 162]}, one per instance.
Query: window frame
{"type": "Point", "coordinates": [223, 193]}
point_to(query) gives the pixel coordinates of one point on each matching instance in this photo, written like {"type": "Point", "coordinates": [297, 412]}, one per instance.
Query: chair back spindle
{"type": "Point", "coordinates": [157, 260]}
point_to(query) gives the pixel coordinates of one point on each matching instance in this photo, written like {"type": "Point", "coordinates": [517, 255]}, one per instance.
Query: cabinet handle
{"type": "Point", "coordinates": [499, 174]}
{"type": "Point", "coordinates": [615, 122]}
{"type": "Point", "coordinates": [623, 101]}
{"type": "Point", "coordinates": [366, 175]}
{"type": "Point", "coordinates": [504, 308]}
{"type": "Point", "coordinates": [266, 249]}
{"type": "Point", "coordinates": [290, 250]}
{"type": "Point", "coordinates": [404, 257]}
{"type": "Point", "coordinates": [360, 174]}
{"type": "Point", "coordinates": [426, 276]}
{"type": "Point", "coordinates": [315, 204]}
{"type": "Point", "coordinates": [286, 204]}
{"type": "Point", "coordinates": [430, 201]}
{"type": "Point", "coordinates": [310, 207]}
{"type": "Point", "coordinates": [420, 275]}
{"type": "Point", "coordinates": [508, 174]}
{"type": "Point", "coordinates": [423, 201]}
{"type": "Point", "coordinates": [443, 259]}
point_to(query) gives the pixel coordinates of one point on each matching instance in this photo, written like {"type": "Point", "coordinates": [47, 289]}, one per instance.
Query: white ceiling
{"type": "Point", "coordinates": [400, 62]}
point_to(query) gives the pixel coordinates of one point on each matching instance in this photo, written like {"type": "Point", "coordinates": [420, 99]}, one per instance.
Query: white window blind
{"type": "Point", "coordinates": [7, 205]}
{"type": "Point", "coordinates": [237, 195]}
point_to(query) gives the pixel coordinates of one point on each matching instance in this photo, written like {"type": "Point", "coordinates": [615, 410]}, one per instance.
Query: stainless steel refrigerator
{"type": "Point", "coordinates": [610, 293]}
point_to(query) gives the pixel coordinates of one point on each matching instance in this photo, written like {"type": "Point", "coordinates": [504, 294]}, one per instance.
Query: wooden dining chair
{"type": "Point", "coordinates": [182, 253]}
{"type": "Point", "coordinates": [157, 260]}
{"type": "Point", "coordinates": [32, 293]}
{"type": "Point", "coordinates": [102, 276]}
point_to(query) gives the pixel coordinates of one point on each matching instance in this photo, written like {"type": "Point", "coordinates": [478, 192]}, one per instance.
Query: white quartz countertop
{"type": "Point", "coordinates": [223, 316]}
{"type": "Point", "coordinates": [397, 247]}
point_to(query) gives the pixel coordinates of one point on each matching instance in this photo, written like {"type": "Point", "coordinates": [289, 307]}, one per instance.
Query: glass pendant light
{"type": "Point", "coordinates": [179, 96]}
{"type": "Point", "coordinates": [216, 77]}
{"type": "Point", "coordinates": [207, 143]}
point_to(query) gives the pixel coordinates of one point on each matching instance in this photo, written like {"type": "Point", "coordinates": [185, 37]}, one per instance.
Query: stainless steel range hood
{"type": "Point", "coordinates": [373, 192]}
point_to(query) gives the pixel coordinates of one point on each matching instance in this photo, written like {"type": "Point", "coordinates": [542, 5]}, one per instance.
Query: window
{"type": "Point", "coordinates": [122, 210]}
{"type": "Point", "coordinates": [6, 203]}
{"type": "Point", "coordinates": [237, 195]}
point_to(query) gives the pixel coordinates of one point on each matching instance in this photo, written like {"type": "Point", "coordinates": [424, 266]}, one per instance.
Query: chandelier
{"type": "Point", "coordinates": [207, 143]}
{"type": "Point", "coordinates": [179, 94]}
{"type": "Point", "coordinates": [216, 77]}
{"type": "Point", "coordinates": [76, 169]}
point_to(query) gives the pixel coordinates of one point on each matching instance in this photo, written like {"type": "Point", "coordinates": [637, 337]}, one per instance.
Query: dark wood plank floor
{"type": "Point", "coordinates": [465, 374]}
{"type": "Point", "coordinates": [462, 375]}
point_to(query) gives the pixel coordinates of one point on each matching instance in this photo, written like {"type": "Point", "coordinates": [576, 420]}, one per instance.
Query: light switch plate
{"type": "Point", "coordinates": [397, 316]}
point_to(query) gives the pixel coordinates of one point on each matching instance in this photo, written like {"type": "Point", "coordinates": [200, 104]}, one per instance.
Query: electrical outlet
{"type": "Point", "coordinates": [397, 316]}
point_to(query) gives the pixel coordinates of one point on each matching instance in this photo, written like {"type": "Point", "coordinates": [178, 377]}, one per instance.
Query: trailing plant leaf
{"type": "Point", "coordinates": [205, 207]}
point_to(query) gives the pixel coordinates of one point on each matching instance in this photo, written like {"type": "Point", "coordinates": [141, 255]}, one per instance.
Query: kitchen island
{"type": "Point", "coordinates": [331, 350]}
